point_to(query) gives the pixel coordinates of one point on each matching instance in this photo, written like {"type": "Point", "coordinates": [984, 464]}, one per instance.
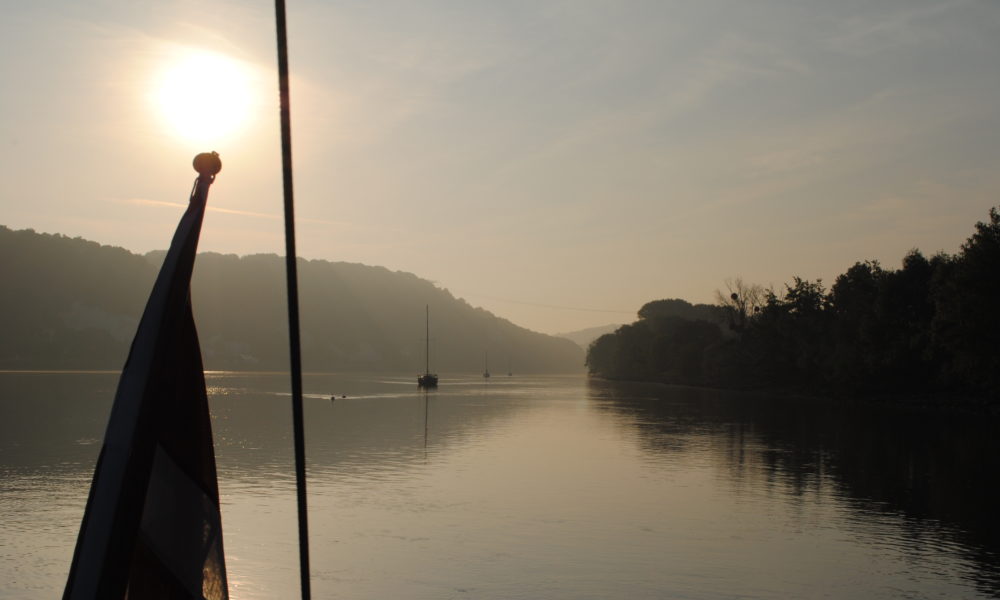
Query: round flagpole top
{"type": "Point", "coordinates": [207, 163]}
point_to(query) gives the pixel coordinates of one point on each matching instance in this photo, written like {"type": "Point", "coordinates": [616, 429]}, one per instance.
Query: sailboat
{"type": "Point", "coordinates": [428, 379]}
{"type": "Point", "coordinates": [486, 369]}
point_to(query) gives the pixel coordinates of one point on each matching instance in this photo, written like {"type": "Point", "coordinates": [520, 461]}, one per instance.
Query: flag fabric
{"type": "Point", "coordinates": [152, 527]}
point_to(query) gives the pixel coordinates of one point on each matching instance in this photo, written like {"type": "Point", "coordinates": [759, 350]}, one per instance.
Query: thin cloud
{"type": "Point", "coordinates": [232, 211]}
{"type": "Point", "coordinates": [862, 36]}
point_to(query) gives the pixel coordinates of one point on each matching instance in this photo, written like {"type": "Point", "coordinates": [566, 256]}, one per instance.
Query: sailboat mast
{"type": "Point", "coordinates": [427, 338]}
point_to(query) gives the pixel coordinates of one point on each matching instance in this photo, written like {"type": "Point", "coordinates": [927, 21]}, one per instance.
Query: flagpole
{"type": "Point", "coordinates": [293, 298]}
{"type": "Point", "coordinates": [152, 524]}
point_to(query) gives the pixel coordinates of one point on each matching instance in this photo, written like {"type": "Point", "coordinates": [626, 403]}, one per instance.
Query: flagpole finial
{"type": "Point", "coordinates": [207, 163]}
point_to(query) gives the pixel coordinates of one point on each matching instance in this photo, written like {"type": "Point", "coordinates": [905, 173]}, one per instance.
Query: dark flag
{"type": "Point", "coordinates": [152, 527]}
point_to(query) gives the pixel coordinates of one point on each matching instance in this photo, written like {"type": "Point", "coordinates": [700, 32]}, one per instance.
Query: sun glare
{"type": "Point", "coordinates": [203, 97]}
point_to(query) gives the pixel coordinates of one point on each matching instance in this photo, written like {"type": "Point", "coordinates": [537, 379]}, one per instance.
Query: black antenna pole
{"type": "Point", "coordinates": [293, 298]}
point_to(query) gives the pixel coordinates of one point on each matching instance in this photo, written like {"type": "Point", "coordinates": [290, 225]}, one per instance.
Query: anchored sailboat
{"type": "Point", "coordinates": [428, 379]}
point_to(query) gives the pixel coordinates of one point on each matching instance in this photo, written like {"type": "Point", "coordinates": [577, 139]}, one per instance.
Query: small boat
{"type": "Point", "coordinates": [428, 379]}
{"type": "Point", "coordinates": [486, 369]}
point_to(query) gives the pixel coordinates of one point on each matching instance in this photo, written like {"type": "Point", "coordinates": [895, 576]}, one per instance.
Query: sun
{"type": "Point", "coordinates": [204, 97]}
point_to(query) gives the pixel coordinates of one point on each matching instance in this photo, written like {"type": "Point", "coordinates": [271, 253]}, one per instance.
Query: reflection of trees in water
{"type": "Point", "coordinates": [936, 471]}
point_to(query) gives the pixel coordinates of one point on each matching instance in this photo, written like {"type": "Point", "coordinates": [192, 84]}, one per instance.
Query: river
{"type": "Point", "coordinates": [539, 487]}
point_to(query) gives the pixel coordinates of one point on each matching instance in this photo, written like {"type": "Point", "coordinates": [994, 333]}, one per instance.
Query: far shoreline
{"type": "Point", "coordinates": [937, 403]}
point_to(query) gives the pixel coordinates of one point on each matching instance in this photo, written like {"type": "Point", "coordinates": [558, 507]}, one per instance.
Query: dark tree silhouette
{"type": "Point", "coordinates": [928, 330]}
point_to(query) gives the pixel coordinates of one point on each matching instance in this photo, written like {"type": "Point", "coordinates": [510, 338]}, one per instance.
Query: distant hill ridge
{"type": "Point", "coordinates": [72, 303]}
{"type": "Point", "coordinates": [583, 337]}
{"type": "Point", "coordinates": [656, 309]}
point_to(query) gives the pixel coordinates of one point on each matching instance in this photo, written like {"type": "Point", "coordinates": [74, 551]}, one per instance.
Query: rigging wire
{"type": "Point", "coordinates": [293, 298]}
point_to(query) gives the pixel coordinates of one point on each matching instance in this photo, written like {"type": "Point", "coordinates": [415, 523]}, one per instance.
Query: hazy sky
{"type": "Point", "coordinates": [525, 155]}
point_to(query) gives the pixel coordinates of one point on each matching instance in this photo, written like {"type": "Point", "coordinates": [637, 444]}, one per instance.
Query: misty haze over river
{"type": "Point", "coordinates": [538, 487]}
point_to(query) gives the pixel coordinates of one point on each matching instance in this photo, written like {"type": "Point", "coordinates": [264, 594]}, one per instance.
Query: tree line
{"type": "Point", "coordinates": [928, 330]}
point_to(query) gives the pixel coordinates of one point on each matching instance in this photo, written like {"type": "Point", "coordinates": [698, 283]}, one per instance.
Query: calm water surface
{"type": "Point", "coordinates": [539, 487]}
